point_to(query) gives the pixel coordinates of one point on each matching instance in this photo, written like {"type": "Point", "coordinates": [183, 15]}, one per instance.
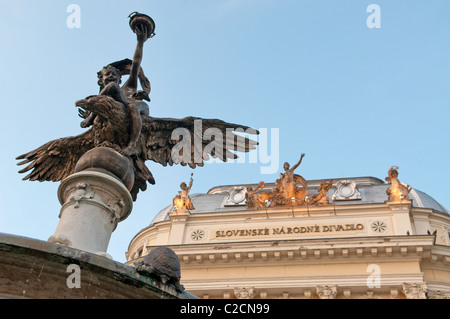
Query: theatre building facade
{"type": "Point", "coordinates": [356, 240]}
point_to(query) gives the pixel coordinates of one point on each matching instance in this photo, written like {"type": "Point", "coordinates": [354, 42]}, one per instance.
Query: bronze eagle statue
{"type": "Point", "coordinates": [56, 159]}
{"type": "Point", "coordinates": [119, 118]}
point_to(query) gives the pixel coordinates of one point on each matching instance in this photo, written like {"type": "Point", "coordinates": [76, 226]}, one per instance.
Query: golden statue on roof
{"type": "Point", "coordinates": [397, 191]}
{"type": "Point", "coordinates": [182, 201]}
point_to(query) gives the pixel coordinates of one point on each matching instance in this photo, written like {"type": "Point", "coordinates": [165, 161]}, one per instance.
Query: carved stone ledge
{"type": "Point", "coordinates": [244, 292]}
{"type": "Point", "coordinates": [437, 294]}
{"type": "Point", "coordinates": [225, 258]}
{"type": "Point", "coordinates": [415, 290]}
{"type": "Point", "coordinates": [394, 293]}
{"type": "Point", "coordinates": [326, 292]}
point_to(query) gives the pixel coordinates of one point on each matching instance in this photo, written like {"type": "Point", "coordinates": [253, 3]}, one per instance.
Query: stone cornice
{"type": "Point", "coordinates": [306, 250]}
{"type": "Point", "coordinates": [302, 282]}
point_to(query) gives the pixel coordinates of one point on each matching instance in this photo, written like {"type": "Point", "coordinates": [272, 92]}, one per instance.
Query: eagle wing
{"type": "Point", "coordinates": [192, 140]}
{"type": "Point", "coordinates": [56, 159]}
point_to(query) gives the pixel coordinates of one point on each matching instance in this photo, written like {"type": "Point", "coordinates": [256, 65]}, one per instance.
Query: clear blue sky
{"type": "Point", "coordinates": [355, 99]}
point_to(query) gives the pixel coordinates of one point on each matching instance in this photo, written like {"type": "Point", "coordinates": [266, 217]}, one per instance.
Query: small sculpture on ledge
{"type": "Point", "coordinates": [285, 193]}
{"type": "Point", "coordinates": [321, 197]}
{"type": "Point", "coordinates": [182, 201]}
{"type": "Point", "coordinates": [397, 191]}
{"type": "Point", "coordinates": [163, 263]}
{"type": "Point", "coordinates": [287, 186]}
{"type": "Point", "coordinates": [254, 200]}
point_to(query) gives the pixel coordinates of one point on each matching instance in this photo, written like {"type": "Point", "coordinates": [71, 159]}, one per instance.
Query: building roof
{"type": "Point", "coordinates": [347, 191]}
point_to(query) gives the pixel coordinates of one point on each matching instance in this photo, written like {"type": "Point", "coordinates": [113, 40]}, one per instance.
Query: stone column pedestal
{"type": "Point", "coordinates": [94, 200]}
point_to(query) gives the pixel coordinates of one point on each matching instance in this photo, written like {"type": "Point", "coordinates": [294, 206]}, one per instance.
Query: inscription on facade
{"type": "Point", "coordinates": [290, 230]}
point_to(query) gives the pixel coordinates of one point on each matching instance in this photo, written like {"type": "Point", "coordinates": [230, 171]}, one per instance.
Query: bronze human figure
{"type": "Point", "coordinates": [109, 79]}
{"type": "Point", "coordinates": [121, 121]}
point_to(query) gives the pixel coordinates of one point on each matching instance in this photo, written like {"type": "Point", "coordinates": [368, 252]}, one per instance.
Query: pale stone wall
{"type": "Point", "coordinates": [369, 250]}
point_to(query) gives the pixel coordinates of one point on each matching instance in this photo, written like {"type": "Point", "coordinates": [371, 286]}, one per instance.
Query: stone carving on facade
{"type": "Point", "coordinates": [437, 294]}
{"type": "Point", "coordinates": [290, 190]}
{"type": "Point", "coordinates": [326, 292]}
{"type": "Point", "coordinates": [236, 196]}
{"type": "Point", "coordinates": [346, 190]}
{"type": "Point", "coordinates": [415, 290]}
{"type": "Point", "coordinates": [198, 234]}
{"type": "Point", "coordinates": [397, 191]}
{"type": "Point", "coordinates": [255, 200]}
{"type": "Point", "coordinates": [444, 235]}
{"type": "Point", "coordinates": [244, 292]}
{"type": "Point", "coordinates": [321, 198]}
{"type": "Point", "coordinates": [287, 187]}
{"type": "Point", "coordinates": [378, 226]}
{"type": "Point", "coordinates": [286, 192]}
{"type": "Point", "coordinates": [182, 201]}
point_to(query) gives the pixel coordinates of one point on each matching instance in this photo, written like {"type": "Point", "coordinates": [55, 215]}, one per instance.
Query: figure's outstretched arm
{"type": "Point", "coordinates": [142, 36]}
{"type": "Point", "coordinates": [261, 185]}
{"type": "Point", "coordinates": [299, 162]}
{"type": "Point", "coordinates": [190, 182]}
{"type": "Point", "coordinates": [330, 183]}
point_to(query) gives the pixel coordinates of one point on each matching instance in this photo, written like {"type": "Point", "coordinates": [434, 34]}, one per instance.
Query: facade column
{"type": "Point", "coordinates": [401, 216]}
{"type": "Point", "coordinates": [422, 223]}
{"type": "Point", "coordinates": [179, 219]}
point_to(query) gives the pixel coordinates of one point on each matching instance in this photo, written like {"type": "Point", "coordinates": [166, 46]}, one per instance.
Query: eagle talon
{"type": "Point", "coordinates": [129, 151]}
{"type": "Point", "coordinates": [87, 122]}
